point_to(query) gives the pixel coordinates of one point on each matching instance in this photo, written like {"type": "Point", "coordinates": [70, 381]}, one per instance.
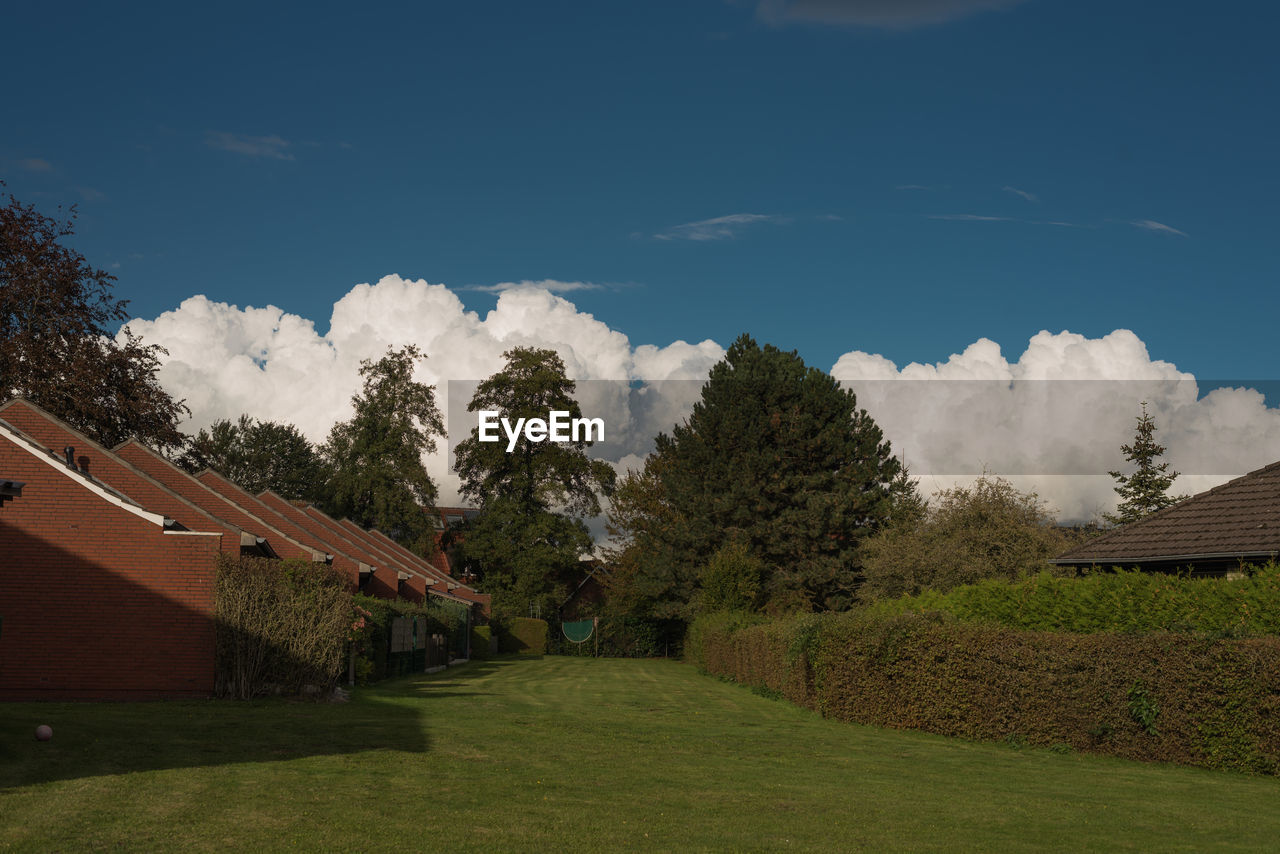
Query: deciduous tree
{"type": "Point", "coordinates": [57, 345]}
{"type": "Point", "coordinates": [376, 474]}
{"type": "Point", "coordinates": [966, 534]}
{"type": "Point", "coordinates": [259, 455]}
{"type": "Point", "coordinates": [526, 541]}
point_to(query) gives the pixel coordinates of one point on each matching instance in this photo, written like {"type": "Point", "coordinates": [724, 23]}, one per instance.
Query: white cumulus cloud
{"type": "Point", "coordinates": [1052, 417]}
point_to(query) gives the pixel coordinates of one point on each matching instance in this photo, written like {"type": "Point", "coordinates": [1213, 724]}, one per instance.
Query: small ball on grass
{"type": "Point", "coordinates": [44, 732]}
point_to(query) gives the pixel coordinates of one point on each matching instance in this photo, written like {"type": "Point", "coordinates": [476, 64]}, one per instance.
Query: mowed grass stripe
{"type": "Point", "coordinates": [578, 755]}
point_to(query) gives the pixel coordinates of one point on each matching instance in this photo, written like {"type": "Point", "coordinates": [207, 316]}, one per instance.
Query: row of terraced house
{"type": "Point", "coordinates": [108, 561]}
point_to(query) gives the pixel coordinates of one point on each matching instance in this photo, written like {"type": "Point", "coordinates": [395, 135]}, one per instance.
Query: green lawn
{"type": "Point", "coordinates": [578, 754]}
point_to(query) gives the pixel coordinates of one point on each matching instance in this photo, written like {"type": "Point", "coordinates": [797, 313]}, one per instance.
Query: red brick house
{"type": "Point", "coordinates": [102, 597]}
{"type": "Point", "coordinates": [107, 562]}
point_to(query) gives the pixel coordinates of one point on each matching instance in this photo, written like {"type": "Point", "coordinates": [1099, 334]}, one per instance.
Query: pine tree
{"type": "Point", "coordinates": [1146, 490]}
{"type": "Point", "coordinates": [778, 456]}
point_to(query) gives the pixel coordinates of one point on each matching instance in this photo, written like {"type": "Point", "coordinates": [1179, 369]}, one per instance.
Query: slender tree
{"type": "Point", "coordinates": [376, 474]}
{"type": "Point", "coordinates": [57, 345]}
{"type": "Point", "coordinates": [1146, 490]}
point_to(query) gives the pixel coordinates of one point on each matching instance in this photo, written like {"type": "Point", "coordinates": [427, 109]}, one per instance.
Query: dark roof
{"type": "Point", "coordinates": [1239, 519]}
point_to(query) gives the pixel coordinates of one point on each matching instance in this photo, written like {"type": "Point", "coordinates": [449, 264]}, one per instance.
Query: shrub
{"type": "Point", "coordinates": [988, 530]}
{"type": "Point", "coordinates": [1121, 601]}
{"type": "Point", "coordinates": [733, 580]}
{"type": "Point", "coordinates": [1166, 697]}
{"type": "Point", "coordinates": [279, 623]}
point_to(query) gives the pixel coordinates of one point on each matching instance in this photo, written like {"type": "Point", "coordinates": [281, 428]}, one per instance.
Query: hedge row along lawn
{"type": "Point", "coordinates": [578, 754]}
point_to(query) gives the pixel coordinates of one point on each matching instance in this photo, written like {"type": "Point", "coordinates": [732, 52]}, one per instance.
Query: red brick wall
{"type": "Point", "coordinates": [97, 602]}
{"type": "Point", "coordinates": [116, 472]}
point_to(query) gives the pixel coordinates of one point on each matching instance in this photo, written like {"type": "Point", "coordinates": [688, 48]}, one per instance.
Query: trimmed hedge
{"type": "Point", "coordinates": [524, 635]}
{"type": "Point", "coordinates": [480, 636]}
{"type": "Point", "coordinates": [1121, 601]}
{"type": "Point", "coordinates": [1164, 697]}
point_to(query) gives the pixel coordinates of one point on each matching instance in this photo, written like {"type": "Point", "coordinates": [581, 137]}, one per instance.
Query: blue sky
{"type": "Point", "coordinates": [813, 173]}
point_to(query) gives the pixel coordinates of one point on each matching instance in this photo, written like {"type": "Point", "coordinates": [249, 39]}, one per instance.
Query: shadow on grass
{"type": "Point", "coordinates": [95, 739]}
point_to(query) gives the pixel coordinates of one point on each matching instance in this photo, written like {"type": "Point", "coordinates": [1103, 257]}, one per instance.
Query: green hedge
{"type": "Point", "coordinates": [373, 642]}
{"type": "Point", "coordinates": [480, 636]}
{"type": "Point", "coordinates": [524, 635]}
{"type": "Point", "coordinates": [1121, 601]}
{"type": "Point", "coordinates": [1167, 697]}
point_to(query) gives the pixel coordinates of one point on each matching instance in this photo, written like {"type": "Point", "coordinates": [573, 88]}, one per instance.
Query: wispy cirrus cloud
{"type": "Point", "coordinates": [972, 218]}
{"type": "Point", "coordinates": [550, 285]}
{"type": "Point", "coordinates": [271, 147]}
{"type": "Point", "coordinates": [36, 164]}
{"type": "Point", "coordinates": [882, 14]}
{"type": "Point", "coordinates": [1030, 197]}
{"type": "Point", "coordinates": [1152, 225]}
{"type": "Point", "coordinates": [717, 228]}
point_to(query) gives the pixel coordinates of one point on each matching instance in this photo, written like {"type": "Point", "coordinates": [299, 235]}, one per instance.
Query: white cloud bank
{"type": "Point", "coordinates": [1052, 419]}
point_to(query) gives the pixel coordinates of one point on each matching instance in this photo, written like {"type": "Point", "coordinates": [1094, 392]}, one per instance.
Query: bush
{"type": "Point", "coordinates": [1123, 601]}
{"type": "Point", "coordinates": [279, 623]}
{"type": "Point", "coordinates": [733, 580]}
{"type": "Point", "coordinates": [989, 530]}
{"type": "Point", "coordinates": [1166, 697]}
{"type": "Point", "coordinates": [524, 635]}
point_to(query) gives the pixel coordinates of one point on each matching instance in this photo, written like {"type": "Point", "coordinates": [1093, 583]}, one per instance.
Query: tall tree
{"type": "Point", "coordinates": [259, 455]}
{"type": "Point", "coordinates": [376, 474]}
{"type": "Point", "coordinates": [529, 535]}
{"type": "Point", "coordinates": [57, 347]}
{"type": "Point", "coordinates": [1146, 490]}
{"type": "Point", "coordinates": [537, 475]}
{"type": "Point", "coordinates": [776, 455]}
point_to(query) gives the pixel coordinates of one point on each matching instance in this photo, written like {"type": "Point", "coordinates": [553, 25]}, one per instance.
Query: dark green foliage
{"type": "Point", "coordinates": [257, 456]}
{"type": "Point", "coordinates": [520, 555]}
{"type": "Point", "coordinates": [777, 456]}
{"type": "Point", "coordinates": [279, 623]}
{"type": "Point", "coordinates": [1120, 601]}
{"type": "Point", "coordinates": [480, 636]}
{"type": "Point", "coordinates": [1146, 490]}
{"type": "Point", "coordinates": [988, 530]}
{"type": "Point", "coordinates": [528, 535]}
{"type": "Point", "coordinates": [376, 475]}
{"type": "Point", "coordinates": [58, 347]}
{"type": "Point", "coordinates": [624, 636]}
{"type": "Point", "coordinates": [524, 635]}
{"type": "Point", "coordinates": [1217, 702]}
{"type": "Point", "coordinates": [535, 475]}
{"type": "Point", "coordinates": [649, 576]}
{"type": "Point", "coordinates": [373, 642]}
{"type": "Point", "coordinates": [1142, 708]}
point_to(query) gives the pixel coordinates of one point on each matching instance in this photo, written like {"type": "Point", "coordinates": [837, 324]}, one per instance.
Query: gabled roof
{"type": "Point", "coordinates": [1238, 520]}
